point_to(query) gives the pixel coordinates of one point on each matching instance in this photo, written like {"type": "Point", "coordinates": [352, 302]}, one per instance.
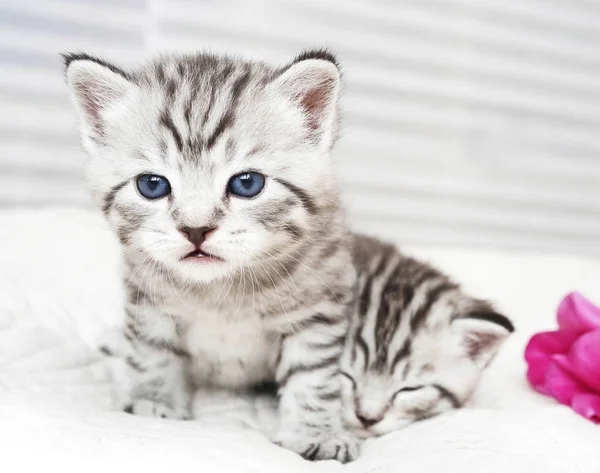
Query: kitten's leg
{"type": "Point", "coordinates": [159, 384]}
{"type": "Point", "coordinates": [309, 388]}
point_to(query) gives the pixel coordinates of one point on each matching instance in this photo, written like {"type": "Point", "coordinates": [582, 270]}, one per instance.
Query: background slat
{"type": "Point", "coordinates": [466, 122]}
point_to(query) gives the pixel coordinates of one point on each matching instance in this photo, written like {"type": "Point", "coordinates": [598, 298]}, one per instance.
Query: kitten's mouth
{"type": "Point", "coordinates": [199, 255]}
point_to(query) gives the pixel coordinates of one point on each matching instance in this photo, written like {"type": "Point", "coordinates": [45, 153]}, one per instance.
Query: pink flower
{"type": "Point", "coordinates": [565, 364]}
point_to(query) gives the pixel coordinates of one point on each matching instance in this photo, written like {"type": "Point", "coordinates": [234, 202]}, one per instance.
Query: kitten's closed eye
{"type": "Point", "coordinates": [407, 389]}
{"type": "Point", "coordinates": [440, 391]}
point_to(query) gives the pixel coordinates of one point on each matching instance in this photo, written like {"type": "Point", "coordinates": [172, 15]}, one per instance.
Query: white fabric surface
{"type": "Point", "coordinates": [60, 287]}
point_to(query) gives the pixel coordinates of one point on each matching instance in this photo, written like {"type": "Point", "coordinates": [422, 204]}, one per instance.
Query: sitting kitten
{"type": "Point", "coordinates": [417, 345]}
{"type": "Point", "coordinates": [216, 175]}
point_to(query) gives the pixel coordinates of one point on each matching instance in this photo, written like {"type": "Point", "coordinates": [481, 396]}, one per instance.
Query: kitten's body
{"type": "Point", "coordinates": [417, 344]}
{"type": "Point", "coordinates": [262, 289]}
{"type": "Point", "coordinates": [226, 288]}
{"type": "Point", "coordinates": [233, 328]}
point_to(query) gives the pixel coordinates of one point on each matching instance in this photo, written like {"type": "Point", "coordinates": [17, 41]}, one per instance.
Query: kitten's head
{"type": "Point", "coordinates": [205, 163]}
{"type": "Point", "coordinates": [422, 371]}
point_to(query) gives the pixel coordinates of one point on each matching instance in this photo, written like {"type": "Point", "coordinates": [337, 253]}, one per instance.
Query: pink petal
{"type": "Point", "coordinates": [536, 374]}
{"type": "Point", "coordinates": [587, 405]}
{"type": "Point", "coordinates": [559, 382]}
{"type": "Point", "coordinates": [539, 351]}
{"type": "Point", "coordinates": [584, 359]}
{"type": "Point", "coordinates": [550, 343]}
{"type": "Point", "coordinates": [577, 313]}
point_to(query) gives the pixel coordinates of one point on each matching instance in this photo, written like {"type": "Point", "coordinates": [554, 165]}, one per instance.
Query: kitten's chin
{"type": "Point", "coordinates": [201, 267]}
{"type": "Point", "coordinates": [204, 272]}
{"type": "Point", "coordinates": [363, 433]}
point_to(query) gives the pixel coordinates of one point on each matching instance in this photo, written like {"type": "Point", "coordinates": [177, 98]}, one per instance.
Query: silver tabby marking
{"type": "Point", "coordinates": [417, 345]}
{"type": "Point", "coordinates": [274, 300]}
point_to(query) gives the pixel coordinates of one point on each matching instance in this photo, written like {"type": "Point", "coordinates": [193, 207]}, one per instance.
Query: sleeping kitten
{"type": "Point", "coordinates": [216, 176]}
{"type": "Point", "coordinates": [417, 344]}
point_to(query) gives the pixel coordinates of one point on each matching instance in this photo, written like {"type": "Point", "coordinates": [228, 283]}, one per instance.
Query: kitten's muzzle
{"type": "Point", "coordinates": [197, 235]}
{"type": "Point", "coordinates": [368, 421]}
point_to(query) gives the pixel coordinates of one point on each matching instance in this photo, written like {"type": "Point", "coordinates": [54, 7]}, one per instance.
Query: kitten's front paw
{"type": "Point", "coordinates": [149, 408]}
{"type": "Point", "coordinates": [330, 445]}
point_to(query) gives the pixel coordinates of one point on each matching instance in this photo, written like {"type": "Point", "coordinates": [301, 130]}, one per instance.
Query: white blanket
{"type": "Point", "coordinates": [60, 287]}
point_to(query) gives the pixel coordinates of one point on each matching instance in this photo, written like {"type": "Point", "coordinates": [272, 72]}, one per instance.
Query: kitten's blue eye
{"type": "Point", "coordinates": [246, 184]}
{"type": "Point", "coordinates": [152, 186]}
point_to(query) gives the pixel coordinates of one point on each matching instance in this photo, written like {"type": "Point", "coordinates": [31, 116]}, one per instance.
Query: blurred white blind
{"type": "Point", "coordinates": [40, 155]}
{"type": "Point", "coordinates": [472, 122]}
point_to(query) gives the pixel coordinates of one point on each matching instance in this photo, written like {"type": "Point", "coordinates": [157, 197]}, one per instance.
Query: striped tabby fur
{"type": "Point", "coordinates": [417, 344]}
{"type": "Point", "coordinates": [277, 301]}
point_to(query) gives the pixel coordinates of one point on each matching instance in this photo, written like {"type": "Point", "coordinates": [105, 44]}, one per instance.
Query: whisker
{"type": "Point", "coordinates": [276, 291]}
{"type": "Point", "coordinates": [312, 271]}
{"type": "Point", "coordinates": [289, 277]}
{"type": "Point", "coordinates": [282, 280]}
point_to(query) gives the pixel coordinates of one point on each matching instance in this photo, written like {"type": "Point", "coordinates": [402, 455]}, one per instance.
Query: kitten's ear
{"type": "Point", "coordinates": [482, 331]}
{"type": "Point", "coordinates": [312, 81]}
{"type": "Point", "coordinates": [96, 87]}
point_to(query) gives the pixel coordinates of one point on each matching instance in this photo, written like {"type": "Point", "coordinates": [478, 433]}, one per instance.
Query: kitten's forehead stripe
{"type": "Point", "coordinates": [187, 113]}
{"type": "Point", "coordinates": [402, 354]}
{"type": "Point", "coordinates": [432, 297]}
{"type": "Point", "coordinates": [228, 118]}
{"type": "Point", "coordinates": [210, 104]}
{"type": "Point", "coordinates": [238, 87]}
{"type": "Point", "coordinates": [170, 88]}
{"type": "Point", "coordinates": [163, 148]}
{"type": "Point", "coordinates": [388, 316]}
{"type": "Point", "coordinates": [167, 121]}
{"type": "Point", "coordinates": [225, 122]}
{"type": "Point", "coordinates": [192, 87]}
{"type": "Point", "coordinates": [230, 149]}
{"type": "Point", "coordinates": [393, 275]}
{"type": "Point", "coordinates": [256, 150]}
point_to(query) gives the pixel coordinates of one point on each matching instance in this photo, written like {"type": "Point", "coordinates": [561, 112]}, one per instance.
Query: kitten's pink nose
{"type": "Point", "coordinates": [368, 420]}
{"type": "Point", "coordinates": [197, 236]}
